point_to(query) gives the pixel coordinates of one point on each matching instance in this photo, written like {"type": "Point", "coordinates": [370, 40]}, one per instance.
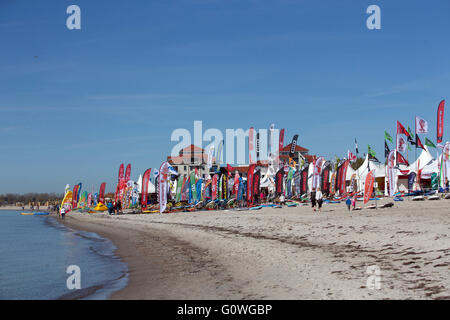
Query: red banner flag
{"type": "Point", "coordinates": [236, 184]}
{"type": "Point", "coordinates": [121, 170]}
{"type": "Point", "coordinates": [368, 186]}
{"type": "Point", "coordinates": [101, 193]}
{"type": "Point", "coordinates": [440, 121]}
{"type": "Point", "coordinates": [75, 196]}
{"type": "Point", "coordinates": [128, 173]}
{"type": "Point", "coordinates": [144, 188]}
{"type": "Point", "coordinates": [281, 141]}
{"type": "Point", "coordinates": [214, 187]}
{"type": "Point", "coordinates": [250, 172]}
{"type": "Point", "coordinates": [401, 129]}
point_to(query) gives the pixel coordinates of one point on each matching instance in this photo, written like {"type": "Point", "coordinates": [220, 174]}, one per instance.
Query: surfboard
{"type": "Point", "coordinates": [398, 199]}
{"type": "Point", "coordinates": [434, 197]}
{"type": "Point", "coordinates": [27, 213]}
{"type": "Point", "coordinates": [255, 208]}
{"type": "Point", "coordinates": [418, 198]}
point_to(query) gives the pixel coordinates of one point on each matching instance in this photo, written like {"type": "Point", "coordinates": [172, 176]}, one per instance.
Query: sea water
{"type": "Point", "coordinates": [35, 252]}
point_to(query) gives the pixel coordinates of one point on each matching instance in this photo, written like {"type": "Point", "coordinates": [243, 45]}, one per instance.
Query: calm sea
{"type": "Point", "coordinates": [35, 252]}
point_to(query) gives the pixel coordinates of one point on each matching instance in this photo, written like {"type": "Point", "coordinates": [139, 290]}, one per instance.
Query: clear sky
{"type": "Point", "coordinates": [74, 104]}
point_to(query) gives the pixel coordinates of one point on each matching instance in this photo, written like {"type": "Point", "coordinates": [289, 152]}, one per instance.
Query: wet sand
{"type": "Point", "coordinates": [288, 253]}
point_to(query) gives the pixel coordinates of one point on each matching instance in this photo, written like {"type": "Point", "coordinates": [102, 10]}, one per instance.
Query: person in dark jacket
{"type": "Point", "coordinates": [110, 207]}
{"type": "Point", "coordinates": [313, 198]}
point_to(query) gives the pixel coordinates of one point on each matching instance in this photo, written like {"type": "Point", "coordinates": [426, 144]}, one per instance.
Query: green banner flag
{"type": "Point", "coordinates": [434, 181]}
{"type": "Point", "coordinates": [429, 143]}
{"type": "Point", "coordinates": [370, 151]}
{"type": "Point", "coordinates": [387, 136]}
{"type": "Point", "coordinates": [179, 185]}
{"type": "Point", "coordinates": [193, 187]}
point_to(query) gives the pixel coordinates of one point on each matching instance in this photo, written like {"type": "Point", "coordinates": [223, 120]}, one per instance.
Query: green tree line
{"type": "Point", "coordinates": [13, 198]}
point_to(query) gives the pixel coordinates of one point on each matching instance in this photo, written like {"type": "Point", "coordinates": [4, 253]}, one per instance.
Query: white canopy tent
{"type": "Point", "coordinates": [151, 186]}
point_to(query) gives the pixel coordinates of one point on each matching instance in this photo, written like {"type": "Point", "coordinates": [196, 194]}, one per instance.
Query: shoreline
{"type": "Point", "coordinates": [288, 253]}
{"type": "Point", "coordinates": [159, 265]}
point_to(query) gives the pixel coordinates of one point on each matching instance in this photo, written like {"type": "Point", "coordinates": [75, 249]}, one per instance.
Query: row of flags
{"type": "Point", "coordinates": [405, 138]}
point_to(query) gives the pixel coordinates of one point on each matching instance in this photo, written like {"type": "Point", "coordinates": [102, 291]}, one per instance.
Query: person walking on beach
{"type": "Point", "coordinates": [319, 199]}
{"type": "Point", "coordinates": [63, 212]}
{"type": "Point", "coordinates": [110, 207]}
{"type": "Point", "coordinates": [348, 202]}
{"type": "Point", "coordinates": [313, 198]}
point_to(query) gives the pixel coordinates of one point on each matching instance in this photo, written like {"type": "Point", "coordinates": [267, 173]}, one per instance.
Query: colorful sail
{"type": "Point", "coordinates": [67, 201]}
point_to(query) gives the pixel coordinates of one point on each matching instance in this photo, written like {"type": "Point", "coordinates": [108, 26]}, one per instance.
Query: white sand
{"type": "Point", "coordinates": [289, 253]}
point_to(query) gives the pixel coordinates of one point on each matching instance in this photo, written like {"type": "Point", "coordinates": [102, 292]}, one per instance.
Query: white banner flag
{"type": "Point", "coordinates": [421, 125]}
{"type": "Point", "coordinates": [401, 144]}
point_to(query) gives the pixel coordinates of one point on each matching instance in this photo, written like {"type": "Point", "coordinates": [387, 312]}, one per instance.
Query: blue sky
{"type": "Point", "coordinates": [75, 104]}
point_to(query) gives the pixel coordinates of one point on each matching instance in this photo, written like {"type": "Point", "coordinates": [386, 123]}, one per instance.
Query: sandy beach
{"type": "Point", "coordinates": [288, 253]}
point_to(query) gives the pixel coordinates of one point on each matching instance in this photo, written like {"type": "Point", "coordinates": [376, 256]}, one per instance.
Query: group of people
{"type": "Point", "coordinates": [113, 207]}
{"type": "Point", "coordinates": [316, 199]}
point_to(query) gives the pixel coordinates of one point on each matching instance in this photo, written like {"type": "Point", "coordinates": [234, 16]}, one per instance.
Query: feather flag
{"type": "Point", "coordinates": [144, 188]}
{"type": "Point", "coordinates": [440, 122]}
{"type": "Point", "coordinates": [280, 143]}
{"type": "Point", "coordinates": [163, 188]}
{"type": "Point", "coordinates": [293, 145]}
{"type": "Point", "coordinates": [356, 147]}
{"type": "Point", "coordinates": [368, 186]}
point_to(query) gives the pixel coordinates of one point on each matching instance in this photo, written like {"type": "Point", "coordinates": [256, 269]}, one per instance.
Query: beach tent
{"type": "Point", "coordinates": [427, 163]}
{"type": "Point", "coordinates": [367, 166]}
{"type": "Point", "coordinates": [151, 186]}
{"type": "Point", "coordinates": [424, 162]}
